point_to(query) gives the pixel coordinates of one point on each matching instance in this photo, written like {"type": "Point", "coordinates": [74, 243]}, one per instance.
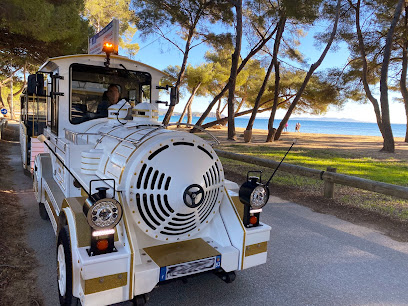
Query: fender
{"type": "Point", "coordinates": [67, 218]}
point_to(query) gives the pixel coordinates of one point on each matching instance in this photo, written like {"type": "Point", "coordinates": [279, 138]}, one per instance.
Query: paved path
{"type": "Point", "coordinates": [314, 259]}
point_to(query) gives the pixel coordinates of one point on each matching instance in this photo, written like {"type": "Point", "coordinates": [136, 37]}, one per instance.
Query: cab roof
{"type": "Point", "coordinates": [52, 63]}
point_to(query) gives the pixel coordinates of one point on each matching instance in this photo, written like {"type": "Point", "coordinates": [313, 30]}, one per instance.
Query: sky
{"type": "Point", "coordinates": [159, 53]}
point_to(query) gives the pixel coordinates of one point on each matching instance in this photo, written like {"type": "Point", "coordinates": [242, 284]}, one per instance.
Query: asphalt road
{"type": "Point", "coordinates": [314, 259]}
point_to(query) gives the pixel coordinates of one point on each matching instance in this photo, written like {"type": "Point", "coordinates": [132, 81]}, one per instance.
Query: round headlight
{"type": "Point", "coordinates": [104, 214]}
{"type": "Point", "coordinates": [259, 197]}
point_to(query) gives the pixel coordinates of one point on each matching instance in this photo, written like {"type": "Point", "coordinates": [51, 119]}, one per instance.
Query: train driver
{"type": "Point", "coordinates": [110, 97]}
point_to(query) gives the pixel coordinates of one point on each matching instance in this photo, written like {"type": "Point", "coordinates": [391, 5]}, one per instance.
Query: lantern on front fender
{"type": "Point", "coordinates": [254, 195]}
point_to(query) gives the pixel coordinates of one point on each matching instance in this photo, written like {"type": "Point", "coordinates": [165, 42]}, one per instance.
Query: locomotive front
{"type": "Point", "coordinates": [132, 202]}
{"type": "Point", "coordinates": [171, 181]}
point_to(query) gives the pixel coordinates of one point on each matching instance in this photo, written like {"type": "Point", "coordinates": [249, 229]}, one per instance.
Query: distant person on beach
{"type": "Point", "coordinates": [286, 127]}
{"type": "Point", "coordinates": [297, 127]}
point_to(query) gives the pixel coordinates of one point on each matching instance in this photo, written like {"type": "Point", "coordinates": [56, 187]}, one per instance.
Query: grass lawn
{"type": "Point", "coordinates": [385, 170]}
{"type": "Point", "coordinates": [388, 171]}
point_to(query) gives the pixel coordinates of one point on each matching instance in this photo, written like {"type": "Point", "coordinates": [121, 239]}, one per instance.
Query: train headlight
{"type": "Point", "coordinates": [104, 214]}
{"type": "Point", "coordinates": [259, 197]}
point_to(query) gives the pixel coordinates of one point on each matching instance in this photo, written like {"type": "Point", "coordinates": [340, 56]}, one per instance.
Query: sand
{"type": "Point", "coordinates": [356, 146]}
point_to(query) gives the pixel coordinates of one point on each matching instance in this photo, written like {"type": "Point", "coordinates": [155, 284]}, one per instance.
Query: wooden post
{"type": "Point", "coordinates": [329, 186]}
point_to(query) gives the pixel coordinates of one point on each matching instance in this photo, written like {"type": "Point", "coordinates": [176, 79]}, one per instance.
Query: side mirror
{"type": "Point", "coordinates": [35, 84]}
{"type": "Point", "coordinates": [174, 96]}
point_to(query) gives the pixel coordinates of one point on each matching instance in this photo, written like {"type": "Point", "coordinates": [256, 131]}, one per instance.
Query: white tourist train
{"type": "Point", "coordinates": [133, 203]}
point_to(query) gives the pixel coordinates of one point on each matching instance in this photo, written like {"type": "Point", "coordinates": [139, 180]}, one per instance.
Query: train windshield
{"type": "Point", "coordinates": [94, 89]}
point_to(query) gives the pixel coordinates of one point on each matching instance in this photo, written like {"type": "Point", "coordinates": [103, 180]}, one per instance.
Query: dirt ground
{"type": "Point", "coordinates": [365, 146]}
{"type": "Point", "coordinates": [17, 263]}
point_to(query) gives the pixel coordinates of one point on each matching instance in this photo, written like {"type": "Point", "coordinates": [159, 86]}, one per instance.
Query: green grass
{"type": "Point", "coordinates": [389, 171]}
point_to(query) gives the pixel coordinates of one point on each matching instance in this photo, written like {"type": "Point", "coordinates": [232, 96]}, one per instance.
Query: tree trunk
{"type": "Point", "coordinates": [11, 103]}
{"type": "Point", "coordinates": [248, 130]}
{"type": "Point", "coordinates": [309, 74]}
{"type": "Point", "coordinates": [223, 108]}
{"type": "Point", "coordinates": [367, 89]}
{"type": "Point", "coordinates": [388, 145]}
{"type": "Point", "coordinates": [240, 105]}
{"type": "Point", "coordinates": [234, 70]}
{"type": "Point", "coordinates": [403, 80]}
{"type": "Point", "coordinates": [271, 130]}
{"type": "Point", "coordinates": [180, 77]}
{"type": "Point", "coordinates": [190, 113]}
{"type": "Point", "coordinates": [254, 51]}
{"type": "Point", "coordinates": [217, 112]}
{"type": "Point", "coordinates": [190, 100]}
{"type": "Point", "coordinates": [1, 98]}
{"type": "Point", "coordinates": [225, 119]}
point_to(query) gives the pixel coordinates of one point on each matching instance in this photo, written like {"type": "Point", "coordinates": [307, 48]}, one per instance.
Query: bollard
{"type": "Point", "coordinates": [329, 186]}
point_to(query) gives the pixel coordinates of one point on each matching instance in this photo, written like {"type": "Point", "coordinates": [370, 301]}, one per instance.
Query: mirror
{"type": "Point", "coordinates": [35, 84]}
{"type": "Point", "coordinates": [174, 96]}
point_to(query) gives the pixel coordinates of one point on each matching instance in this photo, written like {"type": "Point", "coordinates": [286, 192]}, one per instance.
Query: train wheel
{"type": "Point", "coordinates": [227, 277]}
{"type": "Point", "coordinates": [43, 211]}
{"type": "Point", "coordinates": [64, 262]}
{"type": "Point", "coordinates": [140, 300]}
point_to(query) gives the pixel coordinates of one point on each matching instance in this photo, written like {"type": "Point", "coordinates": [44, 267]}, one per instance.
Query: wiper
{"type": "Point", "coordinates": [127, 71]}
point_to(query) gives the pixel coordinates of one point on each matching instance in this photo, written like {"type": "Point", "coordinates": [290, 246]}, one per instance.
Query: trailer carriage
{"type": "Point", "coordinates": [133, 203]}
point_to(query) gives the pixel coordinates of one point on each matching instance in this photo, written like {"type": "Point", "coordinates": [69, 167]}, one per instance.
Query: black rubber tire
{"type": "Point", "coordinates": [63, 239]}
{"type": "Point", "coordinates": [230, 277]}
{"type": "Point", "coordinates": [43, 211]}
{"type": "Point", "coordinates": [139, 300]}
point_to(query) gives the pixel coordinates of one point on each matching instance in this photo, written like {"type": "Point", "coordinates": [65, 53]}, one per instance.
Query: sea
{"type": "Point", "coordinates": [325, 126]}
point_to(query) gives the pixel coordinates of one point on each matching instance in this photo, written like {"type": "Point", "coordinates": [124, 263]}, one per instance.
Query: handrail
{"type": "Point", "coordinates": [217, 142]}
{"type": "Point", "coordinates": [72, 136]}
{"type": "Point", "coordinates": [327, 176]}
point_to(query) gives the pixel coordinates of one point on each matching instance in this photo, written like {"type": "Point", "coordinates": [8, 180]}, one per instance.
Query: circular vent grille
{"type": "Point", "coordinates": [161, 179]}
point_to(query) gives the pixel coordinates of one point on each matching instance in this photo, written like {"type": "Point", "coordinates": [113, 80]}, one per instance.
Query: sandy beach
{"type": "Point", "coordinates": [356, 146]}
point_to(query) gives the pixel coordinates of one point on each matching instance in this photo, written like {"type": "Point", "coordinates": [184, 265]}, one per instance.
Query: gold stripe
{"type": "Point", "coordinates": [257, 248]}
{"type": "Point", "coordinates": [121, 155]}
{"type": "Point", "coordinates": [89, 163]}
{"type": "Point", "coordinates": [107, 160]}
{"type": "Point", "coordinates": [103, 283]}
{"type": "Point", "coordinates": [119, 142]}
{"type": "Point", "coordinates": [238, 206]}
{"type": "Point", "coordinates": [179, 252]}
{"type": "Point", "coordinates": [243, 228]}
{"type": "Point", "coordinates": [89, 169]}
{"type": "Point", "coordinates": [121, 173]}
{"type": "Point", "coordinates": [127, 146]}
{"type": "Point", "coordinates": [131, 250]}
{"type": "Point", "coordinates": [115, 163]}
{"type": "Point", "coordinates": [112, 174]}
{"type": "Point", "coordinates": [141, 110]}
{"type": "Point", "coordinates": [143, 116]}
{"type": "Point", "coordinates": [54, 214]}
{"type": "Point", "coordinates": [90, 157]}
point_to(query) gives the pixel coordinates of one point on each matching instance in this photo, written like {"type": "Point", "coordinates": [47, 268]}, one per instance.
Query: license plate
{"type": "Point", "coordinates": [191, 267]}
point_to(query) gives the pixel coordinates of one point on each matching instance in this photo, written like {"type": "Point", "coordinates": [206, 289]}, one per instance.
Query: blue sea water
{"type": "Point", "coordinates": [315, 126]}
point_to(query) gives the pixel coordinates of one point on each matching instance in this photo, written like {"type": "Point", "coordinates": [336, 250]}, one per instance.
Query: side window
{"type": "Point", "coordinates": [145, 93]}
